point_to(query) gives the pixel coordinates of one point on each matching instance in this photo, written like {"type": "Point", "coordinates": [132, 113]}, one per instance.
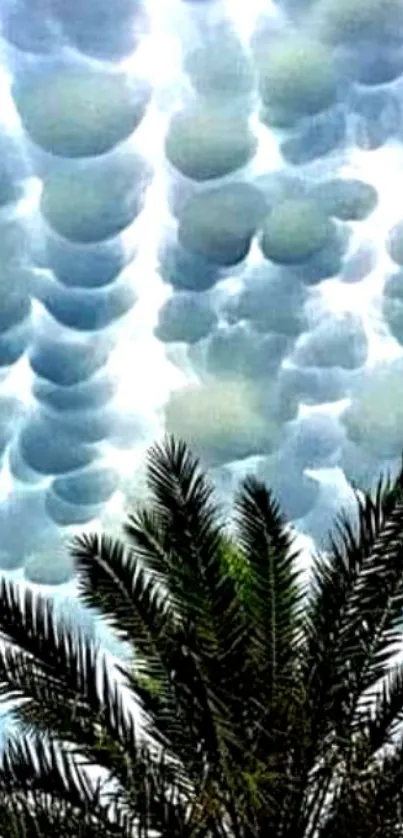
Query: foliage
{"type": "Point", "coordinates": [268, 708]}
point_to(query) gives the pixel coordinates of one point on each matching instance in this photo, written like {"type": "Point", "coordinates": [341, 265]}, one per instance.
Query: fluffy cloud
{"type": "Point", "coordinates": [86, 309]}
{"type": "Point", "coordinates": [314, 137]}
{"type": "Point", "coordinates": [88, 486]}
{"type": "Point", "coordinates": [46, 568]}
{"type": "Point", "coordinates": [218, 224]}
{"type": "Point", "coordinates": [359, 20]}
{"type": "Point", "coordinates": [220, 68]}
{"type": "Point", "coordinates": [67, 362]}
{"type": "Point", "coordinates": [74, 112]}
{"type": "Point", "coordinates": [375, 118]}
{"type": "Point", "coordinates": [85, 265]}
{"type": "Point", "coordinates": [313, 441]}
{"type": "Point", "coordinates": [348, 199]}
{"type": "Point", "coordinates": [222, 420]}
{"type": "Point", "coordinates": [297, 77]}
{"type": "Point", "coordinates": [46, 449]}
{"type": "Point", "coordinates": [295, 231]}
{"type": "Point", "coordinates": [270, 302]}
{"type": "Point", "coordinates": [89, 203]}
{"type": "Point", "coordinates": [186, 271]}
{"type": "Point", "coordinates": [101, 29]}
{"type": "Point", "coordinates": [296, 492]}
{"type": "Point", "coordinates": [92, 394]}
{"type": "Point", "coordinates": [337, 341]}
{"type": "Point", "coordinates": [186, 318]}
{"type": "Point", "coordinates": [374, 420]}
{"type": "Point", "coordinates": [242, 351]}
{"type": "Point", "coordinates": [209, 142]}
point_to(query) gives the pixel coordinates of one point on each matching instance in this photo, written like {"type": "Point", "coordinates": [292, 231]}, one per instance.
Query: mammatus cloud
{"type": "Point", "coordinates": [374, 418]}
{"type": "Point", "coordinates": [64, 255]}
{"type": "Point", "coordinates": [224, 420]}
{"type": "Point", "coordinates": [74, 112]}
{"type": "Point", "coordinates": [205, 142]}
{"type": "Point", "coordinates": [254, 149]}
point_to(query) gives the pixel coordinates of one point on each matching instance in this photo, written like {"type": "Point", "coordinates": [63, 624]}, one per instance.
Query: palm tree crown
{"type": "Point", "coordinates": [269, 708]}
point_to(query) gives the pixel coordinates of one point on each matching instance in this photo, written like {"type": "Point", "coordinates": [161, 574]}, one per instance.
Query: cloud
{"type": "Point", "coordinates": [220, 68]}
{"type": "Point", "coordinates": [271, 303]}
{"type": "Point", "coordinates": [46, 568]}
{"type": "Point", "coordinates": [15, 305]}
{"type": "Point", "coordinates": [186, 318]}
{"type": "Point", "coordinates": [11, 411]}
{"type": "Point", "coordinates": [28, 25]}
{"type": "Point", "coordinates": [219, 224]}
{"type": "Point", "coordinates": [242, 351]}
{"type": "Point", "coordinates": [87, 203]}
{"type": "Point", "coordinates": [86, 309]}
{"type": "Point", "coordinates": [86, 265]}
{"type": "Point", "coordinates": [341, 21]}
{"type": "Point", "coordinates": [15, 241]}
{"type": "Point", "coordinates": [314, 137]}
{"type": "Point", "coordinates": [66, 514]}
{"type": "Point", "coordinates": [87, 426]}
{"type": "Point", "coordinates": [360, 263]}
{"type": "Point", "coordinates": [101, 29]}
{"type": "Point", "coordinates": [222, 420]}
{"type": "Point", "coordinates": [364, 469]}
{"type": "Point", "coordinates": [394, 243]}
{"type": "Point", "coordinates": [347, 199]}
{"type": "Point", "coordinates": [337, 341]}
{"type": "Point", "coordinates": [313, 386]}
{"type": "Point", "coordinates": [13, 170]}
{"type": "Point", "coordinates": [392, 305]}
{"type": "Point", "coordinates": [375, 118]}
{"type": "Point", "coordinates": [295, 231]}
{"type": "Point", "coordinates": [335, 496]}
{"type": "Point", "coordinates": [92, 394]}
{"type": "Point", "coordinates": [69, 361]}
{"type": "Point", "coordinates": [297, 77]}
{"type": "Point", "coordinates": [74, 112]}
{"type": "Point", "coordinates": [203, 142]}
{"type": "Point", "coordinates": [14, 342]}
{"type": "Point", "coordinates": [89, 486]}
{"type": "Point", "coordinates": [46, 449]}
{"type": "Point", "coordinates": [186, 271]}
{"type": "Point", "coordinates": [296, 492]}
{"type": "Point", "coordinates": [313, 441]}
{"type": "Point", "coordinates": [24, 527]}
{"type": "Point", "coordinates": [374, 420]}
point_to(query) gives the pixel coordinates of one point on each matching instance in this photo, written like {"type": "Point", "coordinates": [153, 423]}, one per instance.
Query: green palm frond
{"type": "Point", "coordinates": [274, 596]}
{"type": "Point", "coordinates": [111, 580]}
{"type": "Point", "coordinates": [382, 714]}
{"type": "Point", "coordinates": [371, 628]}
{"type": "Point", "coordinates": [335, 629]}
{"type": "Point", "coordinates": [268, 709]}
{"type": "Point", "coordinates": [30, 764]}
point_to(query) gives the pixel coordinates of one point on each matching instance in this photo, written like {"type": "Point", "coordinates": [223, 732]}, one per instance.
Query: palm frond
{"type": "Point", "coordinates": [382, 713]}
{"type": "Point", "coordinates": [274, 597]}
{"type": "Point", "coordinates": [111, 580]}
{"type": "Point", "coordinates": [335, 631]}
{"type": "Point", "coordinates": [371, 629]}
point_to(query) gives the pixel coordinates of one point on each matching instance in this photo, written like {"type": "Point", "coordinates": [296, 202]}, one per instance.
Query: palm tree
{"type": "Point", "coordinates": [268, 707]}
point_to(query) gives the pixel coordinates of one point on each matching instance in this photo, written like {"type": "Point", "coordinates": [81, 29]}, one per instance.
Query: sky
{"type": "Point", "coordinates": [139, 362]}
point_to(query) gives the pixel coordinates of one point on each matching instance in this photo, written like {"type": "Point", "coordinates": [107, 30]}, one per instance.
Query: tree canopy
{"type": "Point", "coordinates": [254, 704]}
